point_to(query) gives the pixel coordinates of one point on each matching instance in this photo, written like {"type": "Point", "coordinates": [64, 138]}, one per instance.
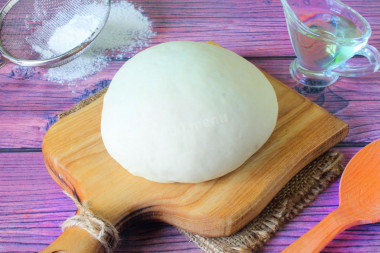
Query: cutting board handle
{"type": "Point", "coordinates": [74, 240]}
{"type": "Point", "coordinates": [84, 232]}
{"type": "Point", "coordinates": [319, 236]}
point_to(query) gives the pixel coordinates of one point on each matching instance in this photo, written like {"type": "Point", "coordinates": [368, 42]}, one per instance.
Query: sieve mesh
{"type": "Point", "coordinates": [27, 26]}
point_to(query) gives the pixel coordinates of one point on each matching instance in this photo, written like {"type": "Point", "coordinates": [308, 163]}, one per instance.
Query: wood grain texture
{"type": "Point", "coordinates": [255, 29]}
{"type": "Point", "coordinates": [358, 202]}
{"type": "Point", "coordinates": [32, 208]}
{"type": "Point", "coordinates": [363, 238]}
{"type": "Point", "coordinates": [28, 107]}
{"type": "Point", "coordinates": [77, 160]}
{"type": "Point", "coordinates": [249, 28]}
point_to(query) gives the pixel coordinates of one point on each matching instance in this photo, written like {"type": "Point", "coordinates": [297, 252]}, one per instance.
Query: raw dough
{"type": "Point", "coordinates": [187, 112]}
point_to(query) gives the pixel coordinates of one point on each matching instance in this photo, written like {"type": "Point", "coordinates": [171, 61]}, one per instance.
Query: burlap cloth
{"type": "Point", "coordinates": [303, 188]}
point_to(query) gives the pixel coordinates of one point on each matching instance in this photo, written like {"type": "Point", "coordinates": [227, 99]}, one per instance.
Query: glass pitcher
{"type": "Point", "coordinates": [325, 34]}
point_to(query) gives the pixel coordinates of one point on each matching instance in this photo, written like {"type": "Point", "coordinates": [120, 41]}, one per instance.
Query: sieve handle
{"type": "Point", "coordinates": [74, 240]}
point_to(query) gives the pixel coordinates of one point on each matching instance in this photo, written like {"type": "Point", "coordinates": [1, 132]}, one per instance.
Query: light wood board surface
{"type": "Point", "coordinates": [77, 160]}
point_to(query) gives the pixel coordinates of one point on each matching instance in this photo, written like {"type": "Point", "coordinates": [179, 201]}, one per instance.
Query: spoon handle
{"type": "Point", "coordinates": [320, 235]}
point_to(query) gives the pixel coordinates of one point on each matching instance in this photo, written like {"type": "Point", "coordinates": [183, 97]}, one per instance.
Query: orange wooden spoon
{"type": "Point", "coordinates": [359, 196]}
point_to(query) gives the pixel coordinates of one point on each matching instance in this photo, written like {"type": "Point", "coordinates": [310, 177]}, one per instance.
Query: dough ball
{"type": "Point", "coordinates": [187, 112]}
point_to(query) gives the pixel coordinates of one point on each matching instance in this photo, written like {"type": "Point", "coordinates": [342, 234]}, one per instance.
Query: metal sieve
{"type": "Point", "coordinates": [26, 26]}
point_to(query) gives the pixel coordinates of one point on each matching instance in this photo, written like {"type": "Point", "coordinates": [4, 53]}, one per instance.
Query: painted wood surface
{"type": "Point", "coordinates": [28, 107]}
{"type": "Point", "coordinates": [31, 204]}
{"type": "Point", "coordinates": [359, 193]}
{"type": "Point", "coordinates": [32, 207]}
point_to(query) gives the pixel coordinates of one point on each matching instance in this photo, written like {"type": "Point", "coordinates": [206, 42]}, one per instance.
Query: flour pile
{"type": "Point", "coordinates": [127, 29]}
{"type": "Point", "coordinates": [66, 30]}
{"type": "Point", "coordinates": [77, 30]}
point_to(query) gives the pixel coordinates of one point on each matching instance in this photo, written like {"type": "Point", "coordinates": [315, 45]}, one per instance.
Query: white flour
{"type": "Point", "coordinates": [68, 36]}
{"type": "Point", "coordinates": [73, 33]}
{"type": "Point", "coordinates": [126, 29]}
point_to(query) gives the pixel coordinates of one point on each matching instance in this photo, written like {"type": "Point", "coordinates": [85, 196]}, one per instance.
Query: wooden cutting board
{"type": "Point", "coordinates": [77, 160]}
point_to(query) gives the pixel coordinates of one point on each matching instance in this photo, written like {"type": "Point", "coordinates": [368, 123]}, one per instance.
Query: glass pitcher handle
{"type": "Point", "coordinates": [373, 57]}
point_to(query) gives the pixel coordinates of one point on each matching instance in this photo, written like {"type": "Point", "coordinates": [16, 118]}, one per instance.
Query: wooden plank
{"type": "Point", "coordinates": [364, 238]}
{"type": "Point", "coordinates": [27, 89]}
{"type": "Point", "coordinates": [364, 88]}
{"type": "Point", "coordinates": [250, 28]}
{"type": "Point", "coordinates": [28, 107]}
{"type": "Point", "coordinates": [34, 92]}
{"type": "Point", "coordinates": [22, 129]}
{"type": "Point", "coordinates": [32, 207]}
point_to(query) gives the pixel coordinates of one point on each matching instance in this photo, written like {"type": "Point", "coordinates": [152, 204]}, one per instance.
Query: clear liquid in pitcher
{"type": "Point", "coordinates": [315, 53]}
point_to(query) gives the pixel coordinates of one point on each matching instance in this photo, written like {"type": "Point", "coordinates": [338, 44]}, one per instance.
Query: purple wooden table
{"type": "Point", "coordinates": [31, 205]}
